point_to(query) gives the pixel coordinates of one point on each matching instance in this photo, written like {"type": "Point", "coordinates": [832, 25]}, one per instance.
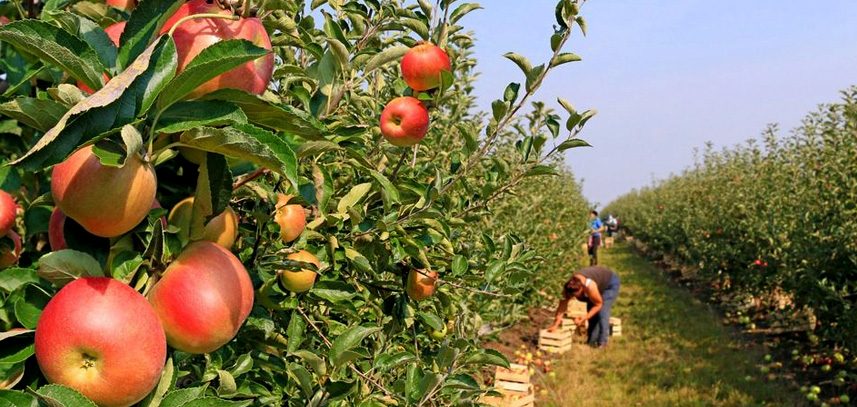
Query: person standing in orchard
{"type": "Point", "coordinates": [595, 229]}
{"type": "Point", "coordinates": [598, 287]}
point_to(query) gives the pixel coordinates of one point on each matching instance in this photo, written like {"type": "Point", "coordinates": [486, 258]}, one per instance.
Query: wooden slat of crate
{"type": "Point", "coordinates": [512, 386]}
{"type": "Point", "coordinates": [555, 349]}
{"type": "Point", "coordinates": [558, 334]}
{"type": "Point", "coordinates": [576, 306]}
{"type": "Point", "coordinates": [524, 398]}
{"type": "Point", "coordinates": [517, 373]}
{"type": "Point", "coordinates": [555, 342]}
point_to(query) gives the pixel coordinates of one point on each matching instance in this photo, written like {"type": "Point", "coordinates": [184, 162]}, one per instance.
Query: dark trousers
{"type": "Point", "coordinates": [594, 242]}
{"type": "Point", "coordinates": [599, 325]}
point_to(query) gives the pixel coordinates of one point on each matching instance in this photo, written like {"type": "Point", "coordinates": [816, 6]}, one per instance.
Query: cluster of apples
{"type": "Point", "coordinates": [405, 120]}
{"type": "Point", "coordinates": [203, 296]}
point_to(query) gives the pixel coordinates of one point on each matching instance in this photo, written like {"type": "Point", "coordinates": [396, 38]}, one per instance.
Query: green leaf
{"type": "Point", "coordinates": [295, 331]}
{"type": "Point", "coordinates": [313, 148]}
{"type": "Point", "coordinates": [495, 269]}
{"type": "Point", "coordinates": [353, 196]}
{"type": "Point", "coordinates": [340, 52]}
{"type": "Point", "coordinates": [388, 191]}
{"type": "Point", "coordinates": [314, 361]}
{"type": "Point", "coordinates": [499, 109]}
{"type": "Point", "coordinates": [216, 402]}
{"type": "Point", "coordinates": [388, 55]}
{"type": "Point", "coordinates": [57, 47]}
{"type": "Point", "coordinates": [386, 362]}
{"type": "Point", "coordinates": [427, 384]}
{"type": "Point", "coordinates": [462, 10]}
{"type": "Point", "coordinates": [564, 58]}
{"type": "Point", "coordinates": [541, 170]}
{"type": "Point", "coordinates": [13, 398]}
{"type": "Point", "coordinates": [334, 292]}
{"type": "Point", "coordinates": [125, 265]}
{"type": "Point", "coordinates": [556, 39]}
{"type": "Point", "coordinates": [8, 356]}
{"type": "Point", "coordinates": [165, 384]}
{"type": "Point", "coordinates": [582, 23]}
{"type": "Point", "coordinates": [419, 27]}
{"type": "Point", "coordinates": [348, 340]}
{"type": "Point", "coordinates": [64, 266]}
{"type": "Point", "coordinates": [214, 60]}
{"type": "Point", "coordinates": [115, 105]}
{"type": "Point", "coordinates": [41, 114]}
{"type": "Point", "coordinates": [534, 77]}
{"type": "Point", "coordinates": [177, 398]}
{"type": "Point", "coordinates": [486, 357]}
{"type": "Point", "coordinates": [521, 61]}
{"type": "Point", "coordinates": [143, 27]}
{"type": "Point", "coordinates": [14, 278]}
{"type": "Point", "coordinates": [459, 265]}
{"type": "Point", "coordinates": [213, 193]}
{"type": "Point", "coordinates": [183, 116]}
{"type": "Point", "coordinates": [572, 143]}
{"type": "Point", "coordinates": [226, 386]}
{"type": "Point", "coordinates": [109, 153]}
{"type": "Point", "coordinates": [273, 116]}
{"type": "Point", "coordinates": [510, 95]}
{"type": "Point", "coordinates": [242, 365]}
{"type": "Point", "coordinates": [566, 105]}
{"type": "Point", "coordinates": [57, 395]}
{"type": "Point", "coordinates": [303, 377]}
{"type": "Point", "coordinates": [585, 116]}
{"type": "Point", "coordinates": [431, 320]}
{"type": "Point", "coordinates": [89, 32]}
{"type": "Point", "coordinates": [247, 142]}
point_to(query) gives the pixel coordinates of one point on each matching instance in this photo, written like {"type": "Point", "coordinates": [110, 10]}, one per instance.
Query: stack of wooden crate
{"type": "Point", "coordinates": [557, 341]}
{"type": "Point", "coordinates": [514, 384]}
{"type": "Point", "coordinates": [615, 326]}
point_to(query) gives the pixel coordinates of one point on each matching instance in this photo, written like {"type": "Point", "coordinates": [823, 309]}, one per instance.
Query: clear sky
{"type": "Point", "coordinates": [667, 76]}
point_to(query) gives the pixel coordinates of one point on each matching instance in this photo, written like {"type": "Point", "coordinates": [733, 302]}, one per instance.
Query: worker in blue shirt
{"type": "Point", "coordinates": [595, 229]}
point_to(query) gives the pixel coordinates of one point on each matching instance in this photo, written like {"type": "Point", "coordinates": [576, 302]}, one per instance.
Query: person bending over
{"type": "Point", "coordinates": [598, 287]}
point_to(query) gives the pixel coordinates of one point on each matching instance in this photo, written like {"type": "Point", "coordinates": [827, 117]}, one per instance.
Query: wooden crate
{"type": "Point", "coordinates": [575, 306]}
{"type": "Point", "coordinates": [608, 242]}
{"type": "Point", "coordinates": [512, 398]}
{"type": "Point", "coordinates": [555, 342]}
{"type": "Point", "coordinates": [516, 373]}
{"type": "Point", "coordinates": [615, 326]}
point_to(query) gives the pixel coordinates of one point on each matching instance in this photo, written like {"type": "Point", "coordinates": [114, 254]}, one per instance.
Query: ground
{"type": "Point", "coordinates": [674, 352]}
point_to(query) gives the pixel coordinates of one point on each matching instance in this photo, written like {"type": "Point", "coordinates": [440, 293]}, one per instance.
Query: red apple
{"type": "Point", "coordinates": [203, 298]}
{"type": "Point", "coordinates": [192, 36]}
{"type": "Point", "coordinates": [299, 281]}
{"type": "Point", "coordinates": [56, 227]}
{"type": "Point", "coordinates": [106, 201]}
{"type": "Point", "coordinates": [123, 4]}
{"type": "Point", "coordinates": [114, 31]}
{"type": "Point", "coordinates": [291, 218]}
{"type": "Point", "coordinates": [223, 229]}
{"type": "Point", "coordinates": [422, 66]}
{"type": "Point", "coordinates": [404, 121]}
{"type": "Point", "coordinates": [101, 338]}
{"type": "Point", "coordinates": [9, 255]}
{"type": "Point", "coordinates": [8, 212]}
{"type": "Point", "coordinates": [421, 284]}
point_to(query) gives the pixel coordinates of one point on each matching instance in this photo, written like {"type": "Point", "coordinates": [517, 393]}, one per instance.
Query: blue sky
{"type": "Point", "coordinates": [667, 76]}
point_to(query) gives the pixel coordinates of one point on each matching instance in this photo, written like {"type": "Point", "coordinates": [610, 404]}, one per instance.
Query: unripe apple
{"type": "Point", "coordinates": [223, 229]}
{"type": "Point", "coordinates": [114, 32]}
{"type": "Point", "coordinates": [290, 217]}
{"type": "Point", "coordinates": [404, 121]}
{"type": "Point", "coordinates": [9, 255]}
{"type": "Point", "coordinates": [106, 201]}
{"type": "Point", "coordinates": [8, 212]}
{"type": "Point", "coordinates": [299, 281]}
{"type": "Point", "coordinates": [192, 36]}
{"type": "Point", "coordinates": [101, 338]}
{"type": "Point", "coordinates": [203, 298]}
{"type": "Point", "coordinates": [421, 284]}
{"type": "Point", "coordinates": [422, 66]}
{"type": "Point", "coordinates": [438, 335]}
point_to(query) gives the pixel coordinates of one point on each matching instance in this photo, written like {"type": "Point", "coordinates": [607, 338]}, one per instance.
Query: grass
{"type": "Point", "coordinates": [674, 352]}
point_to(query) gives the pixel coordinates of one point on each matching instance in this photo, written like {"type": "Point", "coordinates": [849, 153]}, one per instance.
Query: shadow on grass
{"type": "Point", "coordinates": [674, 352]}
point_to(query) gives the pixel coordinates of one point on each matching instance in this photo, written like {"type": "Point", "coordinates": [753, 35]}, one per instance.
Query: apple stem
{"type": "Point", "coordinates": [202, 15]}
